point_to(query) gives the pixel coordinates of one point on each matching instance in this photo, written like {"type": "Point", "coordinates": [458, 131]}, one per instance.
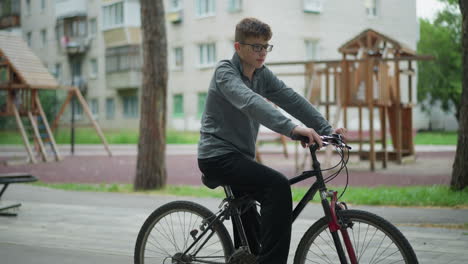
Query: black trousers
{"type": "Point", "coordinates": [268, 233]}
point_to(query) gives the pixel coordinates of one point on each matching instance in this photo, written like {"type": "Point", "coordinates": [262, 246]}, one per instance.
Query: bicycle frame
{"type": "Point", "coordinates": [330, 213]}
{"type": "Point", "coordinates": [232, 207]}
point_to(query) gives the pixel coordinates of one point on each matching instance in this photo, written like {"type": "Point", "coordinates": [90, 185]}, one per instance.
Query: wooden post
{"type": "Point", "coordinates": [398, 111]}
{"type": "Point", "coordinates": [38, 137]}
{"type": "Point", "coordinates": [410, 102]}
{"type": "Point", "coordinates": [90, 116]}
{"type": "Point", "coordinates": [309, 71]}
{"type": "Point", "coordinates": [360, 128]}
{"type": "Point", "coordinates": [23, 134]}
{"type": "Point", "coordinates": [345, 91]}
{"type": "Point", "coordinates": [383, 131]}
{"type": "Point", "coordinates": [370, 104]}
{"type": "Point", "coordinates": [410, 83]}
{"type": "Point", "coordinates": [47, 127]}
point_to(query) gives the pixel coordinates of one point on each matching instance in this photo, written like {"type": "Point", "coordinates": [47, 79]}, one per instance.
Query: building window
{"type": "Point", "coordinates": [234, 5]}
{"type": "Point", "coordinates": [123, 59]}
{"type": "Point", "coordinates": [92, 27]}
{"type": "Point", "coordinates": [43, 5]}
{"type": "Point", "coordinates": [371, 8]}
{"type": "Point", "coordinates": [201, 103]}
{"type": "Point", "coordinates": [312, 49]}
{"type": "Point", "coordinates": [178, 104]}
{"type": "Point", "coordinates": [9, 7]}
{"type": "Point", "coordinates": [93, 68]}
{"type": "Point", "coordinates": [110, 108]}
{"type": "Point", "coordinates": [59, 31]}
{"type": "Point", "coordinates": [43, 38]}
{"type": "Point", "coordinates": [95, 108]}
{"type": "Point", "coordinates": [207, 54]}
{"type": "Point", "coordinates": [175, 5]}
{"type": "Point", "coordinates": [313, 6]}
{"type": "Point", "coordinates": [205, 8]}
{"type": "Point", "coordinates": [130, 106]}
{"type": "Point", "coordinates": [28, 7]}
{"type": "Point", "coordinates": [58, 71]}
{"type": "Point", "coordinates": [29, 38]}
{"type": "Point", "coordinates": [178, 58]}
{"type": "Point", "coordinates": [78, 110]}
{"type": "Point", "coordinates": [113, 15]}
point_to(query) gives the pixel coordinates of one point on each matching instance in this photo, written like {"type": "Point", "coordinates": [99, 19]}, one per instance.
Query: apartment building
{"type": "Point", "coordinates": [96, 44]}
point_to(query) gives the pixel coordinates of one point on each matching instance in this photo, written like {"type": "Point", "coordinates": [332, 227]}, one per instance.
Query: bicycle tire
{"type": "Point", "coordinates": [374, 239]}
{"type": "Point", "coordinates": [169, 230]}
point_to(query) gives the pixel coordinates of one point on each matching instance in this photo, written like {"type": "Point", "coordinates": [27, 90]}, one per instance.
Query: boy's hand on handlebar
{"type": "Point", "coordinates": [342, 132]}
{"type": "Point", "coordinates": [310, 133]}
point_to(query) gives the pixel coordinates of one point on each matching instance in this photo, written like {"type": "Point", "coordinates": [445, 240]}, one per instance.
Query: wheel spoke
{"type": "Point", "coordinates": [374, 240]}
{"type": "Point", "coordinates": [166, 235]}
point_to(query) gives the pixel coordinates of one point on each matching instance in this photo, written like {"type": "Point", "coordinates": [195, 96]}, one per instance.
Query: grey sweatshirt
{"type": "Point", "coordinates": [235, 108]}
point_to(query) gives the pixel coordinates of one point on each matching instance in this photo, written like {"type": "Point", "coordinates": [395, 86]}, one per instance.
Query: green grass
{"type": "Point", "coordinates": [425, 196]}
{"type": "Point", "coordinates": [89, 136]}
{"type": "Point", "coordinates": [126, 136]}
{"type": "Point", "coordinates": [436, 195]}
{"type": "Point", "coordinates": [436, 138]}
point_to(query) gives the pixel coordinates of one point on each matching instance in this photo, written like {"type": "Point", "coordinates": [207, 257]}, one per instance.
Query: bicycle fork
{"type": "Point", "coordinates": [334, 225]}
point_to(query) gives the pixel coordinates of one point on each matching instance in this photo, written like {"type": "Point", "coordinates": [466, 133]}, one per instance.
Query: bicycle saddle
{"type": "Point", "coordinates": [210, 183]}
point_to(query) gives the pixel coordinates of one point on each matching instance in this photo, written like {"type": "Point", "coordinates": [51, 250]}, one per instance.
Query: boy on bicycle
{"type": "Point", "coordinates": [235, 108]}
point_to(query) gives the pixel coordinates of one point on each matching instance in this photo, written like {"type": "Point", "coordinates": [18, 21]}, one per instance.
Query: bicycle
{"type": "Point", "coordinates": [183, 232]}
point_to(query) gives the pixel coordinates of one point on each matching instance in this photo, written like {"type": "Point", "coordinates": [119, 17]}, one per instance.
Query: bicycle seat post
{"type": "Point", "coordinates": [228, 191]}
{"type": "Point", "coordinates": [235, 212]}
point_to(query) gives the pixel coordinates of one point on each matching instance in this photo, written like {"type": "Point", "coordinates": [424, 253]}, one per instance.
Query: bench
{"type": "Point", "coordinates": [8, 178]}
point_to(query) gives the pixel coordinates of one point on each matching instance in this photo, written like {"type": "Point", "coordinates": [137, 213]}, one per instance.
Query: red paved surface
{"type": "Point", "coordinates": [429, 168]}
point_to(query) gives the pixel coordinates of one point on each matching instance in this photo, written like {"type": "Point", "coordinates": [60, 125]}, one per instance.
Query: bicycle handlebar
{"type": "Point", "coordinates": [333, 139]}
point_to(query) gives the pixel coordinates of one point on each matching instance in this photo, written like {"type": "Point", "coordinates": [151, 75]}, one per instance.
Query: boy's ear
{"type": "Point", "coordinates": [237, 46]}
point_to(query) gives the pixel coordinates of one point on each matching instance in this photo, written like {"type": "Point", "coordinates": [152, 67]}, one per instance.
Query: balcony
{"type": "Point", "coordinates": [74, 39]}
{"type": "Point", "coordinates": [175, 17]}
{"type": "Point", "coordinates": [130, 79]}
{"type": "Point", "coordinates": [10, 21]}
{"type": "Point", "coordinates": [75, 45]}
{"type": "Point", "coordinates": [122, 36]}
{"type": "Point", "coordinates": [10, 14]}
{"type": "Point", "coordinates": [70, 8]}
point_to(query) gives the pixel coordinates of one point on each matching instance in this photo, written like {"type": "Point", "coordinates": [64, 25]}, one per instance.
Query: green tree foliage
{"type": "Point", "coordinates": [50, 103]}
{"type": "Point", "coordinates": [440, 79]}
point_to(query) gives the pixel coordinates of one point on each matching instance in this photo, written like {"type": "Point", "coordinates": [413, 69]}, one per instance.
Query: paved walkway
{"type": "Point", "coordinates": [56, 226]}
{"type": "Point", "coordinates": [90, 164]}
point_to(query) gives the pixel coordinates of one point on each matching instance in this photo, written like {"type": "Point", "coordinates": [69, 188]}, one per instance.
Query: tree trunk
{"type": "Point", "coordinates": [460, 166]}
{"type": "Point", "coordinates": [151, 162]}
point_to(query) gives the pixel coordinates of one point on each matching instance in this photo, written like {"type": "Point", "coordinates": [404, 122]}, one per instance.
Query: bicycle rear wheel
{"type": "Point", "coordinates": [374, 240]}
{"type": "Point", "coordinates": [172, 228]}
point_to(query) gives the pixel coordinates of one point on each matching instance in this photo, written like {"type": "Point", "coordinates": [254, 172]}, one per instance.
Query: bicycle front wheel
{"type": "Point", "coordinates": [174, 233]}
{"type": "Point", "coordinates": [374, 239]}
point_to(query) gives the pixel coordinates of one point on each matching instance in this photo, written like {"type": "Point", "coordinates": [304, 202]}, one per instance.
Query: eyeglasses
{"type": "Point", "coordinates": [259, 47]}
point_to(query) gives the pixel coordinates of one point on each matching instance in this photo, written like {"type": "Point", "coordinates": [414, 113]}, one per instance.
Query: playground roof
{"type": "Point", "coordinates": [30, 72]}
{"type": "Point", "coordinates": [374, 41]}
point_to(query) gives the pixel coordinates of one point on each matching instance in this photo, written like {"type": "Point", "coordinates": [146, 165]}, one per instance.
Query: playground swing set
{"type": "Point", "coordinates": [22, 77]}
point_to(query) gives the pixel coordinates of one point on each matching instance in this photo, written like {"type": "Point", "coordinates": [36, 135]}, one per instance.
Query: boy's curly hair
{"type": "Point", "coordinates": [252, 27]}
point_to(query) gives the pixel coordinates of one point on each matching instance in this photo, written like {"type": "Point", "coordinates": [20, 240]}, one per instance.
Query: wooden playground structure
{"type": "Point", "coordinates": [22, 77]}
{"type": "Point", "coordinates": [369, 77]}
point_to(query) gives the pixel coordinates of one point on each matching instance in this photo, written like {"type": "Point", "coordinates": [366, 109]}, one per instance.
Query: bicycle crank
{"type": "Point", "coordinates": [242, 256]}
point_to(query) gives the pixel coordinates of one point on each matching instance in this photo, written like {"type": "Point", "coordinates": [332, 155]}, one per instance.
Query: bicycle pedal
{"type": "Point", "coordinates": [242, 256]}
